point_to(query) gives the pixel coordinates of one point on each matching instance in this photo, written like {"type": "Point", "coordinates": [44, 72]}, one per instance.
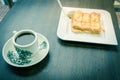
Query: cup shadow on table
{"type": "Point", "coordinates": [32, 70]}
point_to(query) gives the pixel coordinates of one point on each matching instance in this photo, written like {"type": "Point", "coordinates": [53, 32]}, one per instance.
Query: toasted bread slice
{"type": "Point", "coordinates": [86, 22]}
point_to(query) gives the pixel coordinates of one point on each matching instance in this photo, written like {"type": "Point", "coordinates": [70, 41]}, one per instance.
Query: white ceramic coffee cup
{"type": "Point", "coordinates": [27, 50]}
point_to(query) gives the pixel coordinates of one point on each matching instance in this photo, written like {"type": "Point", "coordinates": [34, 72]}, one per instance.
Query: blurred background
{"type": "Point", "coordinates": [6, 5]}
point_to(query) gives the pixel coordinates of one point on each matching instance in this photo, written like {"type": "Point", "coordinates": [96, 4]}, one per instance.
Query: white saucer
{"type": "Point", "coordinates": [40, 55]}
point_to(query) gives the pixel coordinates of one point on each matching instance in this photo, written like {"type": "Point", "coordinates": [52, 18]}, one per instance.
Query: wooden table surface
{"type": "Point", "coordinates": [66, 60]}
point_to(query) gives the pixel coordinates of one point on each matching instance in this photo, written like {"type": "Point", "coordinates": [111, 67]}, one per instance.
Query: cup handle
{"type": "Point", "coordinates": [14, 32]}
{"type": "Point", "coordinates": [43, 45]}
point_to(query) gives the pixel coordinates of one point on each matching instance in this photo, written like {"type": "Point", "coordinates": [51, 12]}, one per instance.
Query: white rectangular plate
{"type": "Point", "coordinates": [108, 37]}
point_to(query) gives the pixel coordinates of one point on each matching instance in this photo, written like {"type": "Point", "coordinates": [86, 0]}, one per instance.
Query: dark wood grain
{"type": "Point", "coordinates": [66, 60]}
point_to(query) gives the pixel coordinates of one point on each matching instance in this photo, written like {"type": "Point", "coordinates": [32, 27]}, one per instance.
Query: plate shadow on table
{"type": "Point", "coordinates": [32, 70]}
{"type": "Point", "coordinates": [88, 45]}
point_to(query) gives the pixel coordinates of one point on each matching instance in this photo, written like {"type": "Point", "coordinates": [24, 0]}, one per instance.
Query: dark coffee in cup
{"type": "Point", "coordinates": [25, 38]}
{"type": "Point", "coordinates": [25, 43]}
